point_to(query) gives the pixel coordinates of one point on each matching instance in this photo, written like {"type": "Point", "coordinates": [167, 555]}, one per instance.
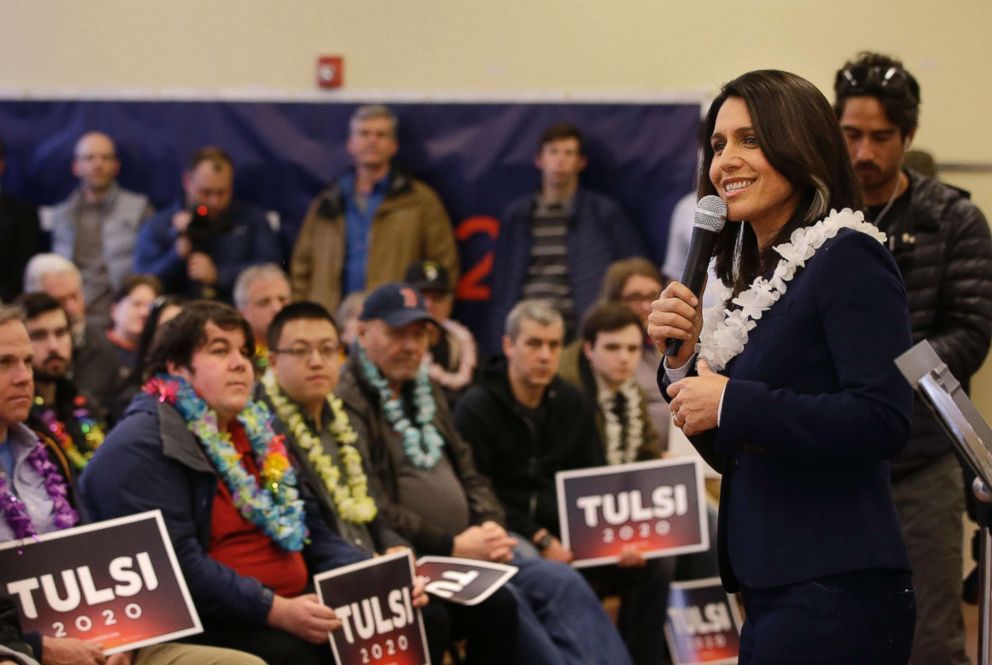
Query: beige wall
{"type": "Point", "coordinates": [558, 46]}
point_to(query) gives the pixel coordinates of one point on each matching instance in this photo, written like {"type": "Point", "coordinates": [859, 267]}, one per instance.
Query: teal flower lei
{"type": "Point", "coordinates": [275, 507]}
{"type": "Point", "coordinates": [422, 444]}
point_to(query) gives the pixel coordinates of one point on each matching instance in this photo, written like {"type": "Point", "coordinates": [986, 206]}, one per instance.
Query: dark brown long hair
{"type": "Point", "coordinates": [799, 136]}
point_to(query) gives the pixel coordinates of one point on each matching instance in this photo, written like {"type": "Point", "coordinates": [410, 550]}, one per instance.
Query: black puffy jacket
{"type": "Point", "coordinates": [942, 244]}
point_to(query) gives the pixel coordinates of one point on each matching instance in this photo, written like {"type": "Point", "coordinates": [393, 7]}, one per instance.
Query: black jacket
{"type": "Point", "coordinates": [361, 401]}
{"type": "Point", "coordinates": [20, 239]}
{"type": "Point", "coordinates": [942, 245]}
{"type": "Point", "coordinates": [521, 459]}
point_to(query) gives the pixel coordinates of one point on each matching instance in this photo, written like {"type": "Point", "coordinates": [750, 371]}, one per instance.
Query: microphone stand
{"type": "Point", "coordinates": [983, 494]}
{"type": "Point", "coordinates": [972, 437]}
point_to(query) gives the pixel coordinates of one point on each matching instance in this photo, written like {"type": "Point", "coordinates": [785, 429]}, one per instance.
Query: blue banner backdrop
{"type": "Point", "coordinates": [478, 156]}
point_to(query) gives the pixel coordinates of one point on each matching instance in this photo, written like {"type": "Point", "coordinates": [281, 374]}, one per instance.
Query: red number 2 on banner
{"type": "Point", "coordinates": [470, 286]}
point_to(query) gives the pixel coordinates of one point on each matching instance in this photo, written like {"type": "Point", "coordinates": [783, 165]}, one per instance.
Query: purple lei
{"type": "Point", "coordinates": [14, 510]}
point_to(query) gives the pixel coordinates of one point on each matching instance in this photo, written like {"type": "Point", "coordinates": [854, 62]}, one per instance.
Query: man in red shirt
{"type": "Point", "coordinates": [197, 447]}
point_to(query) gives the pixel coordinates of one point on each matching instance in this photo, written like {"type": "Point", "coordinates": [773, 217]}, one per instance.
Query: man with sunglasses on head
{"type": "Point", "coordinates": [942, 245]}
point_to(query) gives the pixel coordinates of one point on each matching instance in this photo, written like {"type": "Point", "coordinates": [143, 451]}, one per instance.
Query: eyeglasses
{"type": "Point", "coordinates": [303, 352]}
{"type": "Point", "coordinates": [863, 79]}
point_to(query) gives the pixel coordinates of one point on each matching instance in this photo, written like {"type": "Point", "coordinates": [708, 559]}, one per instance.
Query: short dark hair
{"type": "Point", "coordinates": [36, 303]}
{"type": "Point", "coordinates": [297, 311]}
{"type": "Point", "coordinates": [180, 338]}
{"type": "Point", "coordinates": [801, 139]}
{"type": "Point", "coordinates": [885, 79]}
{"type": "Point", "coordinates": [559, 132]}
{"type": "Point", "coordinates": [217, 157]}
{"type": "Point", "coordinates": [131, 282]}
{"type": "Point", "coordinates": [608, 317]}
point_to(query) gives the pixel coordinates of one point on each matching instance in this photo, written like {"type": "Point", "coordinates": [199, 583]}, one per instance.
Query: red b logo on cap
{"type": "Point", "coordinates": [409, 297]}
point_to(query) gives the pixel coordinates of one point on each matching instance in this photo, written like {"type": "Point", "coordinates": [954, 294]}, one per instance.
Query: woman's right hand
{"type": "Point", "coordinates": [676, 314]}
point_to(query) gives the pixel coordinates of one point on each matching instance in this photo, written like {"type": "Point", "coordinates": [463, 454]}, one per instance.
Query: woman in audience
{"type": "Point", "coordinates": [793, 394]}
{"type": "Point", "coordinates": [635, 283]}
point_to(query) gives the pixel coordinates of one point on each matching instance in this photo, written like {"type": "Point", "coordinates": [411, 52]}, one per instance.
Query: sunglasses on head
{"type": "Point", "coordinates": [863, 78]}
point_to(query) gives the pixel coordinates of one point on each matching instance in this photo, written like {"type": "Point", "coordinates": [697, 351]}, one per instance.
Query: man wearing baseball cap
{"type": "Point", "coordinates": [426, 485]}
{"type": "Point", "coordinates": [453, 354]}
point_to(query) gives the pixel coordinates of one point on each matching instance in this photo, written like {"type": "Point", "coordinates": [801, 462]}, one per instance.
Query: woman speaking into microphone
{"type": "Point", "coordinates": [788, 385]}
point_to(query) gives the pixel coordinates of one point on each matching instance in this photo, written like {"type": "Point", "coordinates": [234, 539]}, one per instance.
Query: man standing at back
{"type": "Point", "coordinates": [941, 242]}
{"type": "Point", "coordinates": [97, 226]}
{"type": "Point", "coordinates": [557, 244]}
{"type": "Point", "coordinates": [200, 246]}
{"type": "Point", "coordinates": [364, 229]}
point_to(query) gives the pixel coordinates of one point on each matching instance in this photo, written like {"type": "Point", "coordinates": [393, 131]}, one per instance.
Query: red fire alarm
{"type": "Point", "coordinates": [330, 71]}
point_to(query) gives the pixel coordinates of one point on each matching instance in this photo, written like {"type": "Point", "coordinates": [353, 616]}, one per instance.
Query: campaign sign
{"type": "Point", "coordinates": [116, 583]}
{"type": "Point", "coordinates": [463, 581]}
{"type": "Point", "coordinates": [703, 625]}
{"type": "Point", "coordinates": [374, 601]}
{"type": "Point", "coordinates": [657, 507]}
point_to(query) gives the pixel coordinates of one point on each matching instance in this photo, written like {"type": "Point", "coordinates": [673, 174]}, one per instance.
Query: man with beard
{"type": "Point", "coordinates": [941, 242]}
{"type": "Point", "coordinates": [198, 246]}
{"type": "Point", "coordinates": [60, 410]}
{"type": "Point", "coordinates": [92, 351]}
{"type": "Point", "coordinates": [34, 487]}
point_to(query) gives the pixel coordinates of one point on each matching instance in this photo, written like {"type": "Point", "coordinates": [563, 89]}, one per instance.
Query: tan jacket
{"type": "Point", "coordinates": [409, 225]}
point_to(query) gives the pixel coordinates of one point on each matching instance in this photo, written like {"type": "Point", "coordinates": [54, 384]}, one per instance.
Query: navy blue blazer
{"type": "Point", "coordinates": [813, 409]}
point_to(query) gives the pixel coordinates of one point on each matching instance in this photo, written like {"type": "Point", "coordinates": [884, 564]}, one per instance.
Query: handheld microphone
{"type": "Point", "coordinates": [708, 221]}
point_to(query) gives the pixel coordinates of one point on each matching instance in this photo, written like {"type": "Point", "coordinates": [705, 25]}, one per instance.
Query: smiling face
{"type": "Point", "coordinates": [16, 379]}
{"type": "Point", "coordinates": [743, 177]}
{"type": "Point", "coordinates": [306, 363]}
{"type": "Point", "coordinates": [220, 371]}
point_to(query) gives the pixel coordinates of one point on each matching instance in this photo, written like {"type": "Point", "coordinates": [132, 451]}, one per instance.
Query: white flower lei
{"type": "Point", "coordinates": [725, 331]}
{"type": "Point", "coordinates": [351, 500]}
{"type": "Point", "coordinates": [618, 449]}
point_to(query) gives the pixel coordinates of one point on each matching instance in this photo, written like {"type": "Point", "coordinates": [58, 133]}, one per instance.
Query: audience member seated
{"type": "Point", "coordinates": [259, 293]}
{"type": "Point", "coordinates": [19, 237]}
{"type": "Point", "coordinates": [162, 310]}
{"type": "Point", "coordinates": [453, 353]}
{"type": "Point", "coordinates": [556, 244]}
{"type": "Point", "coordinates": [92, 353]}
{"type": "Point", "coordinates": [525, 424]}
{"type": "Point", "coordinates": [199, 247]}
{"type": "Point", "coordinates": [427, 487]}
{"type": "Point", "coordinates": [97, 226]}
{"type": "Point", "coordinates": [347, 317]}
{"type": "Point", "coordinates": [305, 367]}
{"type": "Point", "coordinates": [129, 313]}
{"type": "Point", "coordinates": [197, 447]}
{"type": "Point", "coordinates": [389, 219]}
{"type": "Point", "coordinates": [602, 367]}
{"type": "Point", "coordinates": [35, 472]}
{"type": "Point", "coordinates": [635, 283]}
{"type": "Point", "coordinates": [60, 410]}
